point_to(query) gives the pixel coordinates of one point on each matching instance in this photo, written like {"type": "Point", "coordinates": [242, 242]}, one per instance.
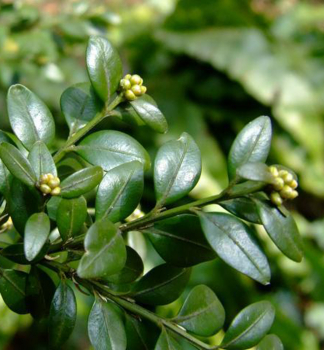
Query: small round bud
{"type": "Point", "coordinates": [127, 76]}
{"type": "Point", "coordinates": [278, 183]}
{"type": "Point", "coordinates": [141, 82]}
{"type": "Point", "coordinates": [136, 79]}
{"type": "Point", "coordinates": [56, 191]}
{"type": "Point", "coordinates": [143, 89]}
{"type": "Point", "coordinates": [54, 182]}
{"type": "Point", "coordinates": [286, 192]}
{"type": "Point", "coordinates": [293, 184]}
{"type": "Point", "coordinates": [293, 194]}
{"type": "Point", "coordinates": [137, 90]}
{"type": "Point", "coordinates": [50, 177]}
{"type": "Point", "coordinates": [44, 178]}
{"type": "Point", "coordinates": [287, 178]}
{"type": "Point", "coordinates": [130, 96]}
{"type": "Point", "coordinates": [283, 173]}
{"type": "Point", "coordinates": [274, 171]}
{"type": "Point", "coordinates": [45, 189]}
{"type": "Point", "coordinates": [125, 84]}
{"type": "Point", "coordinates": [276, 199]}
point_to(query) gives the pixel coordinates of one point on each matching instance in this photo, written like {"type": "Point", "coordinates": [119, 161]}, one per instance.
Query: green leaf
{"type": "Point", "coordinates": [105, 327]}
{"type": "Point", "coordinates": [23, 202]}
{"type": "Point", "coordinates": [120, 192]}
{"type": "Point", "coordinates": [270, 342]}
{"type": "Point", "coordinates": [249, 326]}
{"type": "Point", "coordinates": [147, 110]}
{"type": "Point", "coordinates": [70, 217]}
{"type": "Point", "coordinates": [245, 188]}
{"type": "Point", "coordinates": [81, 182]}
{"type": "Point", "coordinates": [177, 169]}
{"type": "Point", "coordinates": [133, 269]}
{"type": "Point", "coordinates": [167, 342]}
{"type": "Point", "coordinates": [62, 316]}
{"type": "Point", "coordinates": [255, 172]}
{"type": "Point", "coordinates": [41, 160]}
{"type": "Point", "coordinates": [105, 251]}
{"type": "Point", "coordinates": [162, 285]}
{"type": "Point", "coordinates": [5, 176]}
{"type": "Point", "coordinates": [104, 67]}
{"type": "Point", "coordinates": [37, 231]}
{"type": "Point", "coordinates": [282, 229]}
{"type": "Point", "coordinates": [40, 290]}
{"type": "Point", "coordinates": [251, 145]}
{"type": "Point", "coordinates": [79, 105]}
{"type": "Point", "coordinates": [233, 242]}
{"type": "Point", "coordinates": [181, 233]}
{"type": "Point", "coordinates": [12, 289]}
{"type": "Point", "coordinates": [17, 164]}
{"type": "Point", "coordinates": [52, 206]}
{"type": "Point", "coordinates": [16, 253]}
{"type": "Point", "coordinates": [202, 313]}
{"type": "Point", "coordinates": [110, 148]}
{"type": "Point", "coordinates": [242, 207]}
{"type": "Point", "coordinates": [29, 117]}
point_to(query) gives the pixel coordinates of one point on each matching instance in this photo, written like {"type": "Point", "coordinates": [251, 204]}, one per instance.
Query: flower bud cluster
{"type": "Point", "coordinates": [132, 87]}
{"type": "Point", "coordinates": [7, 225]}
{"type": "Point", "coordinates": [49, 184]}
{"type": "Point", "coordinates": [283, 187]}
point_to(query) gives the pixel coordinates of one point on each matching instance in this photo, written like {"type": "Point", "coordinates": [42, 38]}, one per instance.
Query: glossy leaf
{"type": "Point", "coordinates": [251, 145]}
{"type": "Point", "coordinates": [15, 252]}
{"type": "Point", "coordinates": [104, 67]}
{"type": "Point", "coordinates": [242, 207]}
{"type": "Point", "coordinates": [81, 182]}
{"type": "Point", "coordinates": [233, 242]}
{"type": "Point", "coordinates": [162, 285]}
{"type": "Point", "coordinates": [40, 290]}
{"type": "Point", "coordinates": [29, 117]}
{"type": "Point", "coordinates": [37, 231]}
{"type": "Point", "coordinates": [17, 164]}
{"type": "Point", "coordinates": [62, 316]}
{"type": "Point", "coordinates": [202, 313]}
{"type": "Point", "coordinates": [249, 326]}
{"type": "Point", "coordinates": [105, 251]}
{"type": "Point", "coordinates": [70, 217]}
{"type": "Point", "coordinates": [255, 172]}
{"type": "Point", "coordinates": [181, 233]}
{"type": "Point", "coordinates": [133, 269]}
{"type": "Point", "coordinates": [12, 289]}
{"type": "Point", "coordinates": [110, 148]}
{"type": "Point", "coordinates": [79, 105]}
{"type": "Point", "coordinates": [245, 188]}
{"type": "Point", "coordinates": [147, 110]}
{"type": "Point", "coordinates": [282, 229]}
{"type": "Point", "coordinates": [120, 192]}
{"type": "Point", "coordinates": [270, 342]}
{"type": "Point", "coordinates": [167, 342]}
{"type": "Point", "coordinates": [177, 169]}
{"type": "Point", "coordinates": [105, 327]}
{"type": "Point", "coordinates": [52, 206]}
{"type": "Point", "coordinates": [5, 176]}
{"type": "Point", "coordinates": [41, 160]}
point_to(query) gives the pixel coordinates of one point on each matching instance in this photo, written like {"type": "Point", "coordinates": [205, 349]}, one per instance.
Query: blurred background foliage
{"type": "Point", "coordinates": [212, 66]}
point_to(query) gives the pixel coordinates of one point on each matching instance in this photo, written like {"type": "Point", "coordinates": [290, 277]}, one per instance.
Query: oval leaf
{"type": "Point", "coordinates": [105, 327]}
{"type": "Point", "coordinates": [105, 251]}
{"type": "Point", "coordinates": [177, 169]}
{"type": "Point", "coordinates": [81, 182]}
{"type": "Point", "coordinates": [255, 172]}
{"type": "Point", "coordinates": [29, 117]}
{"type": "Point", "coordinates": [249, 326]}
{"type": "Point", "coordinates": [37, 231]}
{"type": "Point", "coordinates": [147, 110]}
{"type": "Point", "coordinates": [104, 67]}
{"type": "Point", "coordinates": [110, 149]}
{"type": "Point", "coordinates": [62, 316]}
{"type": "Point", "coordinates": [282, 229]}
{"type": "Point", "coordinates": [70, 217]}
{"type": "Point", "coordinates": [41, 160]}
{"type": "Point", "coordinates": [79, 105]}
{"type": "Point", "coordinates": [17, 164]}
{"type": "Point", "coordinates": [12, 289]}
{"type": "Point", "coordinates": [233, 242]}
{"type": "Point", "coordinates": [120, 192]}
{"type": "Point", "coordinates": [15, 252]}
{"type": "Point", "coordinates": [252, 144]}
{"type": "Point", "coordinates": [202, 313]}
{"type": "Point", "coordinates": [181, 233]}
{"type": "Point", "coordinates": [167, 342]}
{"type": "Point", "coordinates": [270, 342]}
{"type": "Point", "coordinates": [162, 285]}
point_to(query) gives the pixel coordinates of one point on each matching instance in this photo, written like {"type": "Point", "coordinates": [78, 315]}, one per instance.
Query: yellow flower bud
{"type": "Point", "coordinates": [283, 173]}
{"type": "Point", "coordinates": [276, 199]}
{"type": "Point", "coordinates": [44, 178]}
{"type": "Point", "coordinates": [137, 90]}
{"type": "Point", "coordinates": [286, 192]}
{"type": "Point", "coordinates": [45, 189]}
{"type": "Point", "coordinates": [50, 177]}
{"type": "Point", "coordinates": [293, 184]}
{"type": "Point", "coordinates": [274, 171]}
{"type": "Point", "coordinates": [56, 191]}
{"type": "Point", "coordinates": [143, 89]}
{"type": "Point", "coordinates": [278, 183]}
{"type": "Point", "coordinates": [130, 96]}
{"type": "Point", "coordinates": [127, 76]}
{"type": "Point", "coordinates": [125, 84]}
{"type": "Point", "coordinates": [141, 82]}
{"type": "Point", "coordinates": [136, 79]}
{"type": "Point", "coordinates": [287, 178]}
{"type": "Point", "coordinates": [293, 194]}
{"type": "Point", "coordinates": [54, 182]}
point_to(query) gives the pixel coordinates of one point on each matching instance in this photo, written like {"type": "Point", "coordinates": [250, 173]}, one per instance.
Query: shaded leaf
{"type": "Point", "coordinates": [41, 160]}
{"type": "Point", "coordinates": [255, 172]}
{"type": "Point", "coordinates": [270, 342]}
{"type": "Point", "coordinates": [167, 342]}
